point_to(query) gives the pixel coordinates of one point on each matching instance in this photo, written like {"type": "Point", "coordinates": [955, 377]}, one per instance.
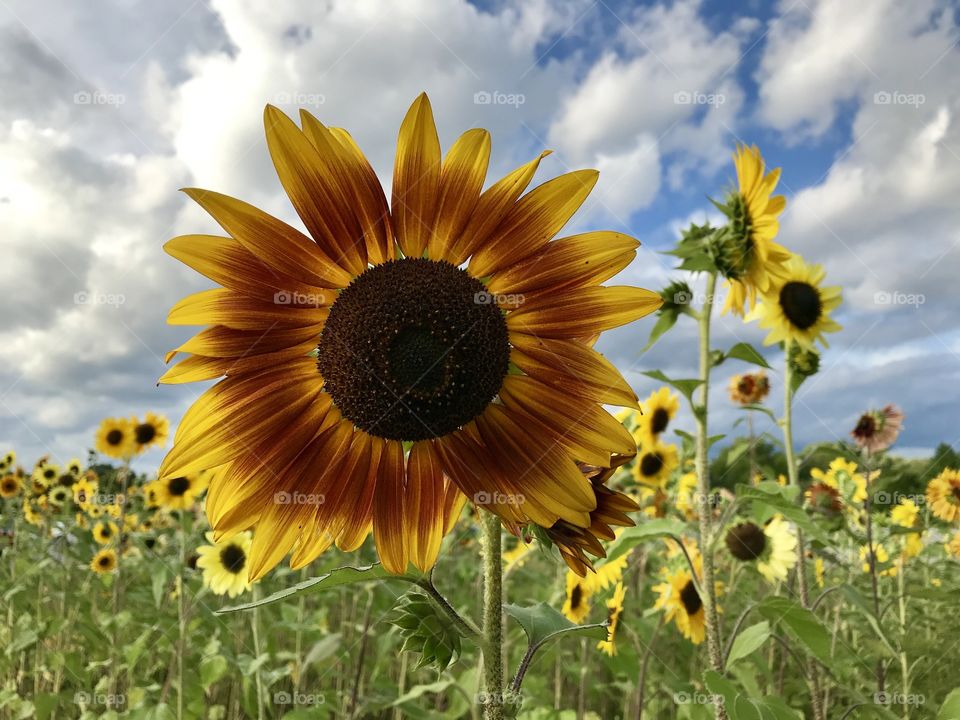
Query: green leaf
{"type": "Point", "coordinates": [542, 623]}
{"type": "Point", "coordinates": [212, 669]}
{"type": "Point", "coordinates": [666, 321]}
{"type": "Point", "coordinates": [421, 690]}
{"type": "Point", "coordinates": [685, 386]}
{"type": "Point", "coordinates": [754, 407]}
{"type": "Point", "coordinates": [633, 536]}
{"type": "Point", "coordinates": [336, 578]}
{"type": "Point", "coordinates": [747, 353]}
{"type": "Point", "coordinates": [803, 626]}
{"type": "Point", "coordinates": [950, 710]}
{"type": "Point", "coordinates": [749, 640]}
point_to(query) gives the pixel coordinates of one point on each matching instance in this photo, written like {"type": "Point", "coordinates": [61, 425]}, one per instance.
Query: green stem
{"type": "Point", "coordinates": [872, 559]}
{"type": "Point", "coordinates": [117, 594]}
{"type": "Point", "coordinates": [492, 617]}
{"type": "Point", "coordinates": [904, 665]}
{"type": "Point", "coordinates": [709, 596]}
{"type": "Point", "coordinates": [816, 699]}
{"type": "Point", "coordinates": [255, 628]}
{"type": "Point", "coordinates": [181, 612]}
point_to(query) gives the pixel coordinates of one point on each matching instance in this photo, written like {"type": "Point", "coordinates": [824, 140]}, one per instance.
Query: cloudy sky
{"type": "Point", "coordinates": [109, 106]}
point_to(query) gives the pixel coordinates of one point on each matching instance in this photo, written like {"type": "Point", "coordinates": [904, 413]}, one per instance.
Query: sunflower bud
{"type": "Point", "coordinates": [803, 362]}
{"type": "Point", "coordinates": [731, 249]}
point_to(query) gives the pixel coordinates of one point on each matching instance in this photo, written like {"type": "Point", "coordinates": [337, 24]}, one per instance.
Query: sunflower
{"type": "Point", "coordinates": [7, 461]}
{"type": "Point", "coordinates": [151, 432]}
{"type": "Point", "coordinates": [655, 463]}
{"type": "Point", "coordinates": [824, 499]}
{"type": "Point", "coordinates": [46, 474]}
{"type": "Point", "coordinates": [224, 563]}
{"type": "Point", "coordinates": [516, 556]}
{"type": "Point", "coordinates": [614, 610]}
{"type": "Point", "coordinates": [85, 489]}
{"type": "Point", "coordinates": [953, 546]}
{"type": "Point", "coordinates": [745, 251]}
{"type": "Point", "coordinates": [104, 561]}
{"type": "Point", "coordinates": [877, 430]}
{"type": "Point", "coordinates": [10, 486]}
{"type": "Point", "coordinates": [59, 495]}
{"type": "Point", "coordinates": [75, 467]}
{"type": "Point", "coordinates": [943, 495]}
{"type": "Point", "coordinates": [31, 513]}
{"type": "Point", "coordinates": [370, 366]}
{"type": "Point", "coordinates": [911, 545]}
{"type": "Point", "coordinates": [577, 605]}
{"type": "Point", "coordinates": [773, 547]}
{"type": "Point", "coordinates": [905, 513]}
{"type": "Point", "coordinates": [180, 492]}
{"type": "Point", "coordinates": [749, 388]}
{"type": "Point", "coordinates": [686, 495]}
{"type": "Point", "coordinates": [819, 572]}
{"type": "Point", "coordinates": [104, 532]}
{"type": "Point", "coordinates": [795, 308]}
{"type": "Point", "coordinates": [680, 601]}
{"type": "Point", "coordinates": [115, 438]}
{"type": "Point", "coordinates": [94, 510]}
{"type": "Point", "coordinates": [842, 475]}
{"type": "Point", "coordinates": [880, 556]}
{"type": "Point", "coordinates": [658, 410]}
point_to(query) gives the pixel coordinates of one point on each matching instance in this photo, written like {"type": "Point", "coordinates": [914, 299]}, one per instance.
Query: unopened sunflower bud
{"type": "Point", "coordinates": [803, 362]}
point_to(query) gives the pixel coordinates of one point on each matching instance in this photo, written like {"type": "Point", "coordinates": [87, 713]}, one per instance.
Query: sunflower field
{"type": "Point", "coordinates": [413, 488]}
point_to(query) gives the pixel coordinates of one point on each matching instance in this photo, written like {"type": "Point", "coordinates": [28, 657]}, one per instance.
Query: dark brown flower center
{"type": "Point", "coordinates": [114, 437]}
{"type": "Point", "coordinates": [651, 464]}
{"type": "Point", "coordinates": [233, 558]}
{"type": "Point", "coordinates": [576, 596]}
{"type": "Point", "coordinates": [690, 598]}
{"type": "Point", "coordinates": [659, 421]}
{"type": "Point", "coordinates": [413, 349]}
{"type": "Point", "coordinates": [178, 486]}
{"type": "Point", "coordinates": [145, 433]}
{"type": "Point", "coordinates": [800, 302]}
{"type": "Point", "coordinates": [866, 426]}
{"type": "Point", "coordinates": [746, 541]}
{"type": "Point", "coordinates": [105, 561]}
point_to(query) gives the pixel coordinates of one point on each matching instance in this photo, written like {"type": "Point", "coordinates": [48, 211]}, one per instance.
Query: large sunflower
{"type": "Point", "coordinates": [224, 564]}
{"type": "Point", "coordinates": [746, 252]}
{"type": "Point", "coordinates": [795, 308]}
{"type": "Point", "coordinates": [773, 547]}
{"type": "Point", "coordinates": [444, 338]}
{"type": "Point", "coordinates": [115, 438]}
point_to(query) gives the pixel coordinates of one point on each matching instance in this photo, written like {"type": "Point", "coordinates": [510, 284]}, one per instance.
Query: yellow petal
{"type": "Point", "coordinates": [416, 178]}
{"type": "Point", "coordinates": [583, 312]}
{"type": "Point", "coordinates": [461, 180]}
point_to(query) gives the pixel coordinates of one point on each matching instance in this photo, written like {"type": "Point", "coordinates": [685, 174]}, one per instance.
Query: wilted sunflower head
{"type": "Point", "coordinates": [877, 430]}
{"type": "Point", "coordinates": [824, 499]}
{"type": "Point", "coordinates": [749, 388]}
{"type": "Point", "coordinates": [403, 356]}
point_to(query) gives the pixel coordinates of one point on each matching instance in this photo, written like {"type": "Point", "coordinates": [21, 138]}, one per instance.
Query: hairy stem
{"type": "Point", "coordinates": [492, 617]}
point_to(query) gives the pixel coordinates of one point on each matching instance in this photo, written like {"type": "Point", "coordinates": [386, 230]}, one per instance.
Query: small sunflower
{"type": "Point", "coordinates": [686, 495]}
{"type": "Point", "coordinates": [104, 561]}
{"type": "Point", "coordinates": [10, 486]}
{"type": "Point", "coordinates": [824, 499]}
{"type": "Point", "coordinates": [680, 601]}
{"type": "Point", "coordinates": [795, 308]}
{"type": "Point", "coordinates": [943, 496]}
{"type": "Point", "coordinates": [115, 438]}
{"type": "Point", "coordinates": [181, 492]}
{"type": "Point", "coordinates": [911, 545]}
{"type": "Point", "coordinates": [877, 430]}
{"type": "Point", "coordinates": [655, 463]}
{"type": "Point", "coordinates": [749, 388]}
{"type": "Point", "coordinates": [842, 476]}
{"type": "Point", "coordinates": [31, 513]}
{"type": "Point", "coordinates": [745, 251]}
{"type": "Point", "coordinates": [658, 410]}
{"type": "Point", "coordinates": [7, 461]}
{"type": "Point", "coordinates": [85, 489]}
{"type": "Point", "coordinates": [402, 355]}
{"type": "Point", "coordinates": [94, 510]}
{"type": "Point", "coordinates": [614, 610]}
{"type": "Point", "coordinates": [104, 532]}
{"type": "Point", "coordinates": [46, 474]}
{"type": "Point", "coordinates": [953, 546]}
{"type": "Point", "coordinates": [59, 496]}
{"type": "Point", "coordinates": [75, 467]}
{"type": "Point", "coordinates": [773, 547]}
{"type": "Point", "coordinates": [905, 513]}
{"type": "Point", "coordinates": [152, 431]}
{"type": "Point", "coordinates": [224, 563]}
{"type": "Point", "coordinates": [577, 605]}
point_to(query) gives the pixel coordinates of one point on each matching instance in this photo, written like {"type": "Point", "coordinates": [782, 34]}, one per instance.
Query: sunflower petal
{"type": "Point", "coordinates": [461, 180]}
{"type": "Point", "coordinates": [425, 504]}
{"type": "Point", "coordinates": [583, 312]}
{"type": "Point", "coordinates": [416, 178]}
{"type": "Point", "coordinates": [221, 341]}
{"type": "Point", "coordinates": [239, 312]}
{"type": "Point", "coordinates": [391, 527]}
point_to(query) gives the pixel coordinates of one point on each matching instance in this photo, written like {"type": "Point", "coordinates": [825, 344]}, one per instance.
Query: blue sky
{"type": "Point", "coordinates": [112, 109]}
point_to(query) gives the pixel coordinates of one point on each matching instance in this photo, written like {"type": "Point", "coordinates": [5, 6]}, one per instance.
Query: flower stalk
{"type": "Point", "coordinates": [492, 617]}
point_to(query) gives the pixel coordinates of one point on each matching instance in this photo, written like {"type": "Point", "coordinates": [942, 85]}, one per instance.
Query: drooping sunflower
{"type": "Point", "coordinates": [104, 561]}
{"type": "Point", "coordinates": [105, 532]}
{"type": "Point", "coordinates": [745, 251]}
{"type": "Point", "coordinates": [224, 563]}
{"type": "Point", "coordinates": [150, 432]}
{"type": "Point", "coordinates": [679, 599]}
{"type": "Point", "coordinates": [115, 438]}
{"type": "Point", "coordinates": [10, 486]}
{"type": "Point", "coordinates": [180, 492]}
{"type": "Point", "coordinates": [444, 338]}
{"type": "Point", "coordinates": [773, 547]}
{"type": "Point", "coordinates": [576, 607]}
{"type": "Point", "coordinates": [795, 308]}
{"type": "Point", "coordinates": [655, 463]}
{"type": "Point", "coordinates": [614, 610]}
{"type": "Point", "coordinates": [658, 410]}
{"type": "Point", "coordinates": [943, 495]}
{"type": "Point", "coordinates": [749, 388]}
{"type": "Point", "coordinates": [877, 430]}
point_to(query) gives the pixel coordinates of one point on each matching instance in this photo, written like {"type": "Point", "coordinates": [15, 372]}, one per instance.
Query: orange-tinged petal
{"type": "Point", "coordinates": [537, 217]}
{"type": "Point", "coordinates": [197, 368]}
{"type": "Point", "coordinates": [461, 180]}
{"type": "Point", "coordinates": [314, 192]}
{"type": "Point", "coordinates": [389, 520]}
{"type": "Point", "coordinates": [425, 504]}
{"type": "Point", "coordinates": [493, 205]}
{"type": "Point", "coordinates": [221, 341]}
{"type": "Point", "coordinates": [572, 366]}
{"type": "Point", "coordinates": [583, 312]}
{"type": "Point", "coordinates": [416, 178]}
{"type": "Point", "coordinates": [240, 312]}
{"type": "Point", "coordinates": [283, 247]}
{"type": "Point", "coordinates": [360, 521]}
